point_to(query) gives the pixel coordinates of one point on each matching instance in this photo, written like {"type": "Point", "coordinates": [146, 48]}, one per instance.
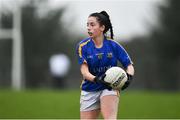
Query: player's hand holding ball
{"type": "Point", "coordinates": [127, 83]}
{"type": "Point", "coordinates": [117, 78]}
{"type": "Point", "coordinates": [101, 79]}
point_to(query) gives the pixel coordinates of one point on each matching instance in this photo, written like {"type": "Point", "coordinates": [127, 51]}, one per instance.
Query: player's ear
{"type": "Point", "coordinates": [102, 28]}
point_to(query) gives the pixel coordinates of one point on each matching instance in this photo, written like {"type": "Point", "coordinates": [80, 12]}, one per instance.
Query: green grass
{"type": "Point", "coordinates": [149, 105]}
{"type": "Point", "coordinates": [65, 104]}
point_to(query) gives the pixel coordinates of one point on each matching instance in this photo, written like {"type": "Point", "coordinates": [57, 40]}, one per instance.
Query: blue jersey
{"type": "Point", "coordinates": [100, 59]}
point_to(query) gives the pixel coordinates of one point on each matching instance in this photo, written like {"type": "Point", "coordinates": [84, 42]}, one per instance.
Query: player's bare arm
{"type": "Point", "coordinates": [85, 72]}
{"type": "Point", "coordinates": [130, 69]}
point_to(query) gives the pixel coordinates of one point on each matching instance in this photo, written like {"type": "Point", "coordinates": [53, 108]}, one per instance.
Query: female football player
{"type": "Point", "coordinates": [96, 54]}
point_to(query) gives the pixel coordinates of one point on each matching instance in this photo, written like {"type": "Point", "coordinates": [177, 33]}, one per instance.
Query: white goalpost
{"type": "Point", "coordinates": [16, 35]}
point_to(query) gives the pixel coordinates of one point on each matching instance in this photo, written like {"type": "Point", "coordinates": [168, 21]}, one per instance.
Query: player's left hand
{"type": "Point", "coordinates": [127, 83]}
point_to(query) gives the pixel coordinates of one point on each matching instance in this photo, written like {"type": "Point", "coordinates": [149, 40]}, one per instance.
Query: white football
{"type": "Point", "coordinates": [116, 76]}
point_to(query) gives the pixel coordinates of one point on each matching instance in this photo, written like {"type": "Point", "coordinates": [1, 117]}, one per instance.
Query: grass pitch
{"type": "Point", "coordinates": [49, 104]}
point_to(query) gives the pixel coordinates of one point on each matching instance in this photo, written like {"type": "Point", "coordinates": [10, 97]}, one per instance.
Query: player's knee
{"type": "Point", "coordinates": [110, 113]}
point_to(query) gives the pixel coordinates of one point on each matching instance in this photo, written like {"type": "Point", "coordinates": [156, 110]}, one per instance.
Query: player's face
{"type": "Point", "coordinates": [93, 27]}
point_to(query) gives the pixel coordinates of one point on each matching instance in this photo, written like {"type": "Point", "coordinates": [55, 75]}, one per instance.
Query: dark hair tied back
{"type": "Point", "coordinates": [104, 13]}
{"type": "Point", "coordinates": [104, 19]}
{"type": "Point", "coordinates": [108, 24]}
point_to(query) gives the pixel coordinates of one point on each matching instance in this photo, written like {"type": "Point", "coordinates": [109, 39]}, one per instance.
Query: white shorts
{"type": "Point", "coordinates": [91, 100]}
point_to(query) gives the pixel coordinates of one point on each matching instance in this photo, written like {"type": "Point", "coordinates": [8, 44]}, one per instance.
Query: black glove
{"type": "Point", "coordinates": [101, 79]}
{"type": "Point", "coordinates": [127, 83]}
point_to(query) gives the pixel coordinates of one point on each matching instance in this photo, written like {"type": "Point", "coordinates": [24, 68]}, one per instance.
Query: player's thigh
{"type": "Point", "coordinates": [93, 114]}
{"type": "Point", "coordinates": [89, 104]}
{"type": "Point", "coordinates": [109, 106]}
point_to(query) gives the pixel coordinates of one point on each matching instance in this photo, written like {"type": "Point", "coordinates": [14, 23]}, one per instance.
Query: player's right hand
{"type": "Point", "coordinates": [101, 79]}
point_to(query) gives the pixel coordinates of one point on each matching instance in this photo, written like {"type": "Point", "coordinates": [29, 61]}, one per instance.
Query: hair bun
{"type": "Point", "coordinates": [104, 13]}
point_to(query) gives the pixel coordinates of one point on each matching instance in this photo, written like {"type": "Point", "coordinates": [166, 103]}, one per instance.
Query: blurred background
{"type": "Point", "coordinates": [36, 33]}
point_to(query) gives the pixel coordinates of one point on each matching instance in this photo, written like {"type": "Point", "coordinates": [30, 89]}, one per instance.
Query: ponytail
{"type": "Point", "coordinates": [108, 24]}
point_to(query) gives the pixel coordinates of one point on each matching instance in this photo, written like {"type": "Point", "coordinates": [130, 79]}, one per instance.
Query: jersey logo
{"type": "Point", "coordinates": [89, 56]}
{"type": "Point", "coordinates": [99, 55]}
{"type": "Point", "coordinates": [109, 55]}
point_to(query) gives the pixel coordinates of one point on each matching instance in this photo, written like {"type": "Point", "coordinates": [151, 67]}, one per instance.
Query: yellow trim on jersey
{"type": "Point", "coordinates": [80, 48]}
{"type": "Point", "coordinates": [81, 83]}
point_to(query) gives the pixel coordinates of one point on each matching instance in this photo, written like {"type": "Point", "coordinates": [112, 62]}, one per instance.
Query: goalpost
{"type": "Point", "coordinates": [16, 36]}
